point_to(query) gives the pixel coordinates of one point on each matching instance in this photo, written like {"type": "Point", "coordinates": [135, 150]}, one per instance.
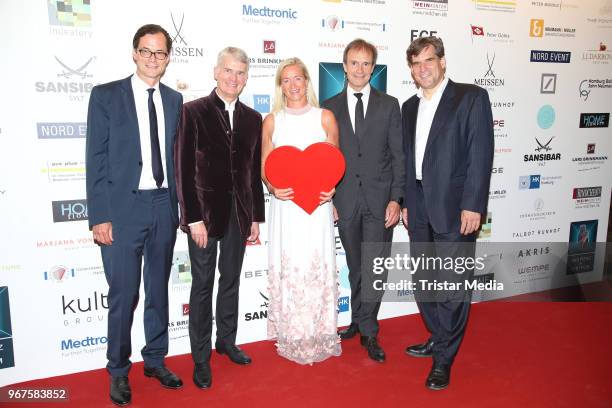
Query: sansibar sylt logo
{"type": "Point", "coordinates": [7, 358]}
{"type": "Point", "coordinates": [69, 210]}
{"type": "Point", "coordinates": [71, 13]}
{"type": "Point", "coordinates": [331, 79]}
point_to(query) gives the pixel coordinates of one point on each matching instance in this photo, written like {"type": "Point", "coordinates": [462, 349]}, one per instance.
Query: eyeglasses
{"type": "Point", "coordinates": [146, 53]}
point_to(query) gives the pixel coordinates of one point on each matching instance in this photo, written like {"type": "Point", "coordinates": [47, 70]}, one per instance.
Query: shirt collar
{"type": "Point", "coordinates": [438, 94]}
{"type": "Point", "coordinates": [139, 86]}
{"type": "Point", "coordinates": [365, 91]}
{"type": "Point", "coordinates": [222, 104]}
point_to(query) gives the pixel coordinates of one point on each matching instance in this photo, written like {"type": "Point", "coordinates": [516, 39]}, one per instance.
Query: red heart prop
{"type": "Point", "coordinates": [308, 172]}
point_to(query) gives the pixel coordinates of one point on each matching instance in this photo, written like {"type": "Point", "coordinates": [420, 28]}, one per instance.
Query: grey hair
{"type": "Point", "coordinates": [234, 52]}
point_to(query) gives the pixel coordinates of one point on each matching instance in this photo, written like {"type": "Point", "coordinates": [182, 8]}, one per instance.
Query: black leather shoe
{"type": "Point", "coordinates": [421, 350]}
{"type": "Point", "coordinates": [202, 376]}
{"type": "Point", "coordinates": [166, 377]}
{"type": "Point", "coordinates": [234, 353]}
{"type": "Point", "coordinates": [438, 378]}
{"type": "Point", "coordinates": [349, 332]}
{"type": "Point", "coordinates": [120, 392]}
{"type": "Point", "coordinates": [375, 352]}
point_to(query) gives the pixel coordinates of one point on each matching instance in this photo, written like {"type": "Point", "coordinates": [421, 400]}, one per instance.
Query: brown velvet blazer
{"type": "Point", "coordinates": [214, 163]}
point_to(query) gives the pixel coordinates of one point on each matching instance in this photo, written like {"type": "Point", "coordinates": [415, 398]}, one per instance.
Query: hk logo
{"type": "Point", "coordinates": [490, 64]}
{"type": "Point", "coordinates": [537, 28]}
{"type": "Point", "coordinates": [68, 72]}
{"type": "Point", "coordinates": [177, 30]}
{"type": "Point", "coordinates": [269, 47]}
{"type": "Point", "coordinates": [546, 147]}
{"type": "Point", "coordinates": [261, 103]}
{"type": "Point", "coordinates": [529, 182]}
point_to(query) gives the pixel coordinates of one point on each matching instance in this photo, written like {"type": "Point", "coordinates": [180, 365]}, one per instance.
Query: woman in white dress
{"type": "Point", "coordinates": [302, 276]}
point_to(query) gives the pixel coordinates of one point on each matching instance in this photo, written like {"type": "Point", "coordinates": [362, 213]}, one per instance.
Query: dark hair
{"type": "Point", "coordinates": [151, 29]}
{"type": "Point", "coordinates": [359, 44]}
{"type": "Point", "coordinates": [421, 43]}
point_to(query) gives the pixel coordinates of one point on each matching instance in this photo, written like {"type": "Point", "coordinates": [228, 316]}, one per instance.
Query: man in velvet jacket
{"type": "Point", "coordinates": [218, 177]}
{"type": "Point", "coordinates": [448, 140]}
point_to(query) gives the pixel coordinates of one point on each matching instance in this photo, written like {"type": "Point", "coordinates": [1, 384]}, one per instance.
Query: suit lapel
{"type": "Point", "coordinates": [169, 123]}
{"type": "Point", "coordinates": [371, 112]}
{"type": "Point", "coordinates": [344, 116]}
{"type": "Point", "coordinates": [411, 120]}
{"type": "Point", "coordinates": [441, 116]}
{"type": "Point", "coordinates": [130, 105]}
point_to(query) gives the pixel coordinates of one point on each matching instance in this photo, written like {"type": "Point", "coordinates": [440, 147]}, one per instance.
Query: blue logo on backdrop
{"type": "Point", "coordinates": [546, 117]}
{"type": "Point", "coordinates": [529, 182]}
{"type": "Point", "coordinates": [261, 103]}
{"type": "Point", "coordinates": [343, 304]}
{"type": "Point", "coordinates": [331, 79]}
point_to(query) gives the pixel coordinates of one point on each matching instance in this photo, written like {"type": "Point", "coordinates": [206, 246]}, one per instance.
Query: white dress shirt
{"type": "Point", "coordinates": [425, 116]}
{"type": "Point", "coordinates": [352, 101]}
{"type": "Point", "coordinates": [141, 100]}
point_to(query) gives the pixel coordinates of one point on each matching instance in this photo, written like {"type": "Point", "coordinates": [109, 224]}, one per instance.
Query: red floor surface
{"type": "Point", "coordinates": [514, 355]}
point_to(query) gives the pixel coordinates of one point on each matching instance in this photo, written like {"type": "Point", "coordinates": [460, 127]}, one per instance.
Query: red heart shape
{"type": "Point", "coordinates": [308, 172]}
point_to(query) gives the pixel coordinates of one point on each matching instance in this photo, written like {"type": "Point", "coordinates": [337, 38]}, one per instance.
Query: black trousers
{"type": "Point", "coordinates": [364, 237]}
{"type": "Point", "coordinates": [445, 312]}
{"type": "Point", "coordinates": [203, 266]}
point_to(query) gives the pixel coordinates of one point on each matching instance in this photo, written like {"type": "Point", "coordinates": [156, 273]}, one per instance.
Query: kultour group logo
{"type": "Point", "coordinates": [69, 210]}
{"type": "Point", "coordinates": [559, 57]}
{"type": "Point", "coordinates": [335, 23]}
{"type": "Point", "coordinates": [72, 80]}
{"type": "Point", "coordinates": [538, 29]}
{"type": "Point", "coordinates": [331, 79]}
{"type": "Point", "coordinates": [587, 85]}
{"type": "Point", "coordinates": [599, 55]}
{"type": "Point", "coordinates": [7, 356]}
{"type": "Point", "coordinates": [489, 80]}
{"type": "Point", "coordinates": [478, 32]}
{"type": "Point", "coordinates": [84, 310]}
{"type": "Point", "coordinates": [594, 120]}
{"type": "Point", "coordinates": [268, 15]}
{"type": "Point", "coordinates": [582, 246]}
{"type": "Point", "coordinates": [59, 273]}
{"type": "Point", "coordinates": [590, 161]}
{"type": "Point", "coordinates": [71, 13]}
{"type": "Point", "coordinates": [548, 84]}
{"type": "Point", "coordinates": [433, 8]}
{"type": "Point", "coordinates": [505, 6]}
{"type": "Point", "coordinates": [61, 130]}
{"type": "Point", "coordinates": [587, 197]}
{"type": "Point", "coordinates": [182, 51]}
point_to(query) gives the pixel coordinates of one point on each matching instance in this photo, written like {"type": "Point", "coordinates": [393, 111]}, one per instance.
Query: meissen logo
{"type": "Point", "coordinates": [181, 50]}
{"type": "Point", "coordinates": [69, 210]}
{"type": "Point", "coordinates": [594, 120]}
{"type": "Point", "coordinates": [562, 57]}
{"type": "Point", "coordinates": [489, 80]}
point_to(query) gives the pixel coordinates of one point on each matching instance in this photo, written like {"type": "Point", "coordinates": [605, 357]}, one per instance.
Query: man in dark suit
{"type": "Point", "coordinates": [368, 198]}
{"type": "Point", "coordinates": [448, 139]}
{"type": "Point", "coordinates": [132, 203]}
{"type": "Point", "coordinates": [218, 158]}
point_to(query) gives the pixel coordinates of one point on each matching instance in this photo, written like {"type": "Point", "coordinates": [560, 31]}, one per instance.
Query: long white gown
{"type": "Point", "coordinates": [302, 276]}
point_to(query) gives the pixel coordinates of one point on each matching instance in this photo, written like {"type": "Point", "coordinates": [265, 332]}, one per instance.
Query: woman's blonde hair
{"type": "Point", "coordinates": [279, 98]}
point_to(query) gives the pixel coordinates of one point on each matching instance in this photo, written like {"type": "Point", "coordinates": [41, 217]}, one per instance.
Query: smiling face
{"type": "Point", "coordinates": [358, 68]}
{"type": "Point", "coordinates": [231, 76]}
{"type": "Point", "coordinates": [151, 69]}
{"type": "Point", "coordinates": [428, 69]}
{"type": "Point", "coordinates": [294, 85]}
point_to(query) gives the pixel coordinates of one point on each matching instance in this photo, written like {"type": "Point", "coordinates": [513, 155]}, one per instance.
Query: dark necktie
{"type": "Point", "coordinates": [358, 114]}
{"type": "Point", "coordinates": [227, 119]}
{"type": "Point", "coordinates": [156, 163]}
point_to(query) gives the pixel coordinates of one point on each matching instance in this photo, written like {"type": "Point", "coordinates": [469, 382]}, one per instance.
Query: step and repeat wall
{"type": "Point", "coordinates": [546, 66]}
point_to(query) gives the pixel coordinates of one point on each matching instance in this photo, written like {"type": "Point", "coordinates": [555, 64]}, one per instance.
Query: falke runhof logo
{"type": "Point", "coordinates": [489, 80]}
{"type": "Point", "coordinates": [594, 120]}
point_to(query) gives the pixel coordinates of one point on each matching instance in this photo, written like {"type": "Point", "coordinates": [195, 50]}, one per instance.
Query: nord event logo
{"type": "Point", "coordinates": [7, 358]}
{"type": "Point", "coordinates": [489, 80]}
{"type": "Point", "coordinates": [594, 120]}
{"type": "Point", "coordinates": [72, 13]}
{"type": "Point", "coordinates": [181, 47]}
{"type": "Point", "coordinates": [69, 210]}
{"type": "Point", "coordinates": [560, 57]}
{"type": "Point", "coordinates": [61, 130]}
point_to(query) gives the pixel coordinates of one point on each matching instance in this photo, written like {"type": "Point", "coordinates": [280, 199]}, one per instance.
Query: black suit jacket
{"type": "Point", "coordinates": [375, 160]}
{"type": "Point", "coordinates": [458, 156]}
{"type": "Point", "coordinates": [215, 163]}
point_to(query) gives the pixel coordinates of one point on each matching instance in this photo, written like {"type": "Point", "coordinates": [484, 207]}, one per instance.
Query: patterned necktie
{"type": "Point", "coordinates": [156, 163]}
{"type": "Point", "coordinates": [358, 114]}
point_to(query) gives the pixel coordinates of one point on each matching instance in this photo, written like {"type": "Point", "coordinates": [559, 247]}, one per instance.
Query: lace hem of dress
{"type": "Point", "coordinates": [310, 350]}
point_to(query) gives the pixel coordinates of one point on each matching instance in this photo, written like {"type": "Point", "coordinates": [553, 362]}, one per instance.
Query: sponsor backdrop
{"type": "Point", "coordinates": [546, 65]}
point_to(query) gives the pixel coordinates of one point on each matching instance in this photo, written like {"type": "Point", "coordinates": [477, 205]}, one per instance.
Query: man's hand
{"type": "Point", "coordinates": [392, 214]}
{"type": "Point", "coordinates": [470, 221]}
{"type": "Point", "coordinates": [254, 232]}
{"type": "Point", "coordinates": [405, 217]}
{"type": "Point", "coordinates": [199, 234]}
{"type": "Point", "coordinates": [103, 233]}
{"type": "Point", "coordinates": [326, 196]}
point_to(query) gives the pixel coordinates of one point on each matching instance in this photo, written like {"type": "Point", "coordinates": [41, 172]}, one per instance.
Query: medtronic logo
{"type": "Point", "coordinates": [562, 57]}
{"type": "Point", "coordinates": [594, 120]}
{"type": "Point", "coordinates": [70, 210]}
{"type": "Point", "coordinates": [248, 10]}
{"type": "Point", "coordinates": [88, 341]}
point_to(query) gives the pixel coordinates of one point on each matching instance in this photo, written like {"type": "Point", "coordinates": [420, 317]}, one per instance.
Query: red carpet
{"type": "Point", "coordinates": [514, 355]}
